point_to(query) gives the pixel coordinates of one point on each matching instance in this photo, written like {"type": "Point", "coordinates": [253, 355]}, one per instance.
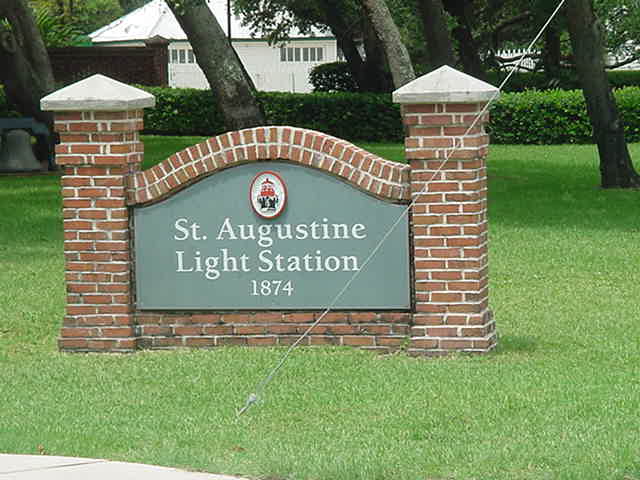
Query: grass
{"type": "Point", "coordinates": [559, 399]}
{"type": "Point", "coordinates": [157, 147]}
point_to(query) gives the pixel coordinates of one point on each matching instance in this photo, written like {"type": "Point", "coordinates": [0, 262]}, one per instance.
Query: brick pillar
{"type": "Point", "coordinates": [99, 150]}
{"type": "Point", "coordinates": [450, 211]}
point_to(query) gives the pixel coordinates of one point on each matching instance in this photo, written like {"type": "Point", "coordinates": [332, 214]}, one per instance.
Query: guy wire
{"type": "Point", "coordinates": [256, 396]}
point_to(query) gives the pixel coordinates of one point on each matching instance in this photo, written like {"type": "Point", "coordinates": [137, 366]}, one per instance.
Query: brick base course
{"type": "Point", "coordinates": [384, 332]}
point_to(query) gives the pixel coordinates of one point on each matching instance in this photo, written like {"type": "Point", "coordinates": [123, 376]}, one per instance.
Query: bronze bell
{"type": "Point", "coordinates": [16, 152]}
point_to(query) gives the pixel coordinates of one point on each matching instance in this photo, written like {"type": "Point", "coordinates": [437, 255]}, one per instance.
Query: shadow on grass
{"type": "Point", "coordinates": [514, 345]}
{"type": "Point", "coordinates": [508, 344]}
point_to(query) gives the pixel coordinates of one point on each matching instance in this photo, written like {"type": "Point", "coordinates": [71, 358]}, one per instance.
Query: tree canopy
{"type": "Point", "coordinates": [83, 16]}
{"type": "Point", "coordinates": [372, 34]}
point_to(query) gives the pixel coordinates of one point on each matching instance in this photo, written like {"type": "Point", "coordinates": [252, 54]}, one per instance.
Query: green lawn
{"type": "Point", "coordinates": [559, 399]}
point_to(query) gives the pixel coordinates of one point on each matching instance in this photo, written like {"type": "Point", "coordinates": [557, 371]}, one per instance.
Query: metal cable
{"type": "Point", "coordinates": [255, 396]}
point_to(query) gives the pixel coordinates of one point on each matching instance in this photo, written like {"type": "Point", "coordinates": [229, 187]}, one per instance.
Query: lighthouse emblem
{"type": "Point", "coordinates": [268, 194]}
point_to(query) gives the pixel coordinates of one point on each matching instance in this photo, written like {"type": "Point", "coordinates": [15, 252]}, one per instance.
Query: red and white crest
{"type": "Point", "coordinates": [268, 194]}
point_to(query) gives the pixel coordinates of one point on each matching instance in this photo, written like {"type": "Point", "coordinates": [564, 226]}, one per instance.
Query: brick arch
{"type": "Point", "coordinates": [364, 170]}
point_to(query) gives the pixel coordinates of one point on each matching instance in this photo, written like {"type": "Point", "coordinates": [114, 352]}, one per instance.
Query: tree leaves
{"type": "Point", "coordinates": [54, 32]}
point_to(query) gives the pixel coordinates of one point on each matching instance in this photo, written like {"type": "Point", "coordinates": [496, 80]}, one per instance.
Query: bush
{"type": "Point", "coordinates": [530, 117]}
{"type": "Point", "coordinates": [556, 116]}
{"type": "Point", "coordinates": [624, 78]}
{"type": "Point", "coordinates": [352, 116]}
{"type": "Point", "coordinates": [522, 81]}
{"type": "Point", "coordinates": [332, 77]}
{"type": "Point", "coordinates": [628, 100]}
{"type": "Point", "coordinates": [182, 111]}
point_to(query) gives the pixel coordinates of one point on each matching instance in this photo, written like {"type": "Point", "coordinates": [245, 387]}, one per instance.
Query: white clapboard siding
{"type": "Point", "coordinates": [269, 67]}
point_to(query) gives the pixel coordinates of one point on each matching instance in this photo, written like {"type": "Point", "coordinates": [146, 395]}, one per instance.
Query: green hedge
{"type": "Point", "coordinates": [624, 78]}
{"type": "Point", "coordinates": [346, 115]}
{"type": "Point", "coordinates": [531, 117]}
{"type": "Point", "coordinates": [522, 81]}
{"type": "Point", "coordinates": [628, 100]}
{"type": "Point", "coordinates": [353, 116]}
{"type": "Point", "coordinates": [556, 116]}
{"type": "Point", "coordinates": [182, 111]}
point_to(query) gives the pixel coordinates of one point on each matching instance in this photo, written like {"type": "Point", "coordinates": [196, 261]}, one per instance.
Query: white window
{"type": "Point", "coordinates": [174, 56]}
{"type": "Point", "coordinates": [182, 56]}
{"type": "Point", "coordinates": [304, 54]}
{"type": "Point", "coordinates": [192, 59]}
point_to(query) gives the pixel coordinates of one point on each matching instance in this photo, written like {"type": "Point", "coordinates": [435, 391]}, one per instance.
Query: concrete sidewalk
{"type": "Point", "coordinates": [42, 467]}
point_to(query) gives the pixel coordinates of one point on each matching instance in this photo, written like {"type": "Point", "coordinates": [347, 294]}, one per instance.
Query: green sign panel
{"type": "Point", "coordinates": [270, 236]}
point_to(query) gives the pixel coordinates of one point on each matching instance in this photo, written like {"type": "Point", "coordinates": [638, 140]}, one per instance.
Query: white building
{"type": "Point", "coordinates": [272, 68]}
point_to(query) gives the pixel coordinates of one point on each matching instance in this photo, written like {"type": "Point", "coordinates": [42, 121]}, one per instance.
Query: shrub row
{"type": "Point", "coordinates": [556, 116]}
{"type": "Point", "coordinates": [531, 117]}
{"type": "Point", "coordinates": [347, 115]}
{"type": "Point", "coordinates": [353, 116]}
{"type": "Point", "coordinates": [182, 111]}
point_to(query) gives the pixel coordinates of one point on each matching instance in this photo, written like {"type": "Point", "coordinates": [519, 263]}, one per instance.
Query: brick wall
{"type": "Point", "coordinates": [102, 182]}
{"type": "Point", "coordinates": [141, 65]}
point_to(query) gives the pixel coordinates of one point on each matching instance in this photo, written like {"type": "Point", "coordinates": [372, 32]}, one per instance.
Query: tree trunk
{"type": "Point", "coordinates": [25, 69]}
{"type": "Point", "coordinates": [346, 42]}
{"type": "Point", "coordinates": [467, 48]}
{"type": "Point", "coordinates": [389, 36]}
{"type": "Point", "coordinates": [376, 76]}
{"type": "Point", "coordinates": [354, 60]}
{"type": "Point", "coordinates": [369, 73]}
{"type": "Point", "coordinates": [551, 52]}
{"type": "Point", "coordinates": [232, 88]}
{"type": "Point", "coordinates": [616, 168]}
{"type": "Point", "coordinates": [436, 33]}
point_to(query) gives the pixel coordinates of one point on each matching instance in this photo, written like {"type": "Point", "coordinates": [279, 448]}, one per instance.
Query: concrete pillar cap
{"type": "Point", "coordinates": [445, 85]}
{"type": "Point", "coordinates": [97, 93]}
